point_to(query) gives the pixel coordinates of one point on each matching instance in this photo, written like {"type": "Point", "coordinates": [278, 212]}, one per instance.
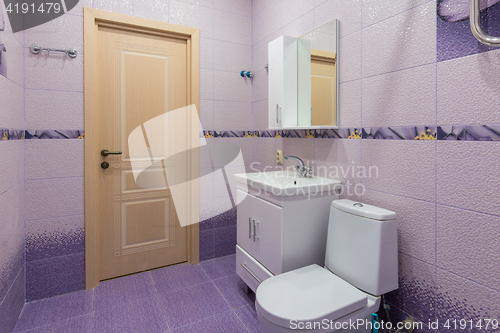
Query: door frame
{"type": "Point", "coordinates": [94, 18]}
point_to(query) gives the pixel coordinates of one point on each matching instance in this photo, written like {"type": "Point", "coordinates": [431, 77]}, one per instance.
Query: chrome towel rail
{"type": "Point", "coordinates": [477, 30]}
{"type": "Point", "coordinates": [37, 49]}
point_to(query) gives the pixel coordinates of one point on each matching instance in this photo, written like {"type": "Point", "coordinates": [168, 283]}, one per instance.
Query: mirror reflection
{"type": "Point", "coordinates": [324, 74]}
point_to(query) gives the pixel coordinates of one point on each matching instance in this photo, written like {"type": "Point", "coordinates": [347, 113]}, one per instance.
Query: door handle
{"type": "Point", "coordinates": [106, 152]}
{"type": "Point", "coordinates": [249, 227]}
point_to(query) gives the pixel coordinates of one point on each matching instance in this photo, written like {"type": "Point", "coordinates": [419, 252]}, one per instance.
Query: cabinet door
{"type": "Point", "coordinates": [268, 244]}
{"type": "Point", "coordinates": [275, 82]}
{"type": "Point", "coordinates": [244, 223]}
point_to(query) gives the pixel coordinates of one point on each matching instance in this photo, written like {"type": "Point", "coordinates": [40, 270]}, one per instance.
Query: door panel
{"type": "Point", "coordinates": [268, 246]}
{"type": "Point", "coordinates": [140, 77]}
{"type": "Point", "coordinates": [244, 226]}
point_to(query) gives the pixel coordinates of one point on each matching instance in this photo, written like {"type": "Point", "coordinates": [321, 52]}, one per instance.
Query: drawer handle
{"type": "Point", "coordinates": [246, 268]}
{"type": "Point", "coordinates": [255, 223]}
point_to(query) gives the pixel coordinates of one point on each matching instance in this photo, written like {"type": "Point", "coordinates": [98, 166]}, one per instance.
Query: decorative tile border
{"type": "Point", "coordinates": [12, 134]}
{"type": "Point", "coordinates": [54, 134]}
{"type": "Point", "coordinates": [456, 132]}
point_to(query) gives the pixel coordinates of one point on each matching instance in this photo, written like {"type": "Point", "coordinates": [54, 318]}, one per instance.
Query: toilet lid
{"type": "Point", "coordinates": [308, 294]}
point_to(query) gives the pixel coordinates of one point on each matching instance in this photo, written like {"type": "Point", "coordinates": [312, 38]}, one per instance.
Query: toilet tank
{"type": "Point", "coordinates": [362, 246]}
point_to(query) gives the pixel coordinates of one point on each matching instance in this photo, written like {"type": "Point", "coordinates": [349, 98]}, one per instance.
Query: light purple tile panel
{"type": "Point", "coordinates": [232, 56]}
{"type": "Point", "coordinates": [468, 246]}
{"type": "Point", "coordinates": [240, 7]}
{"type": "Point", "coordinates": [375, 11]}
{"type": "Point", "coordinates": [12, 62]}
{"type": "Point", "coordinates": [350, 103]}
{"type": "Point", "coordinates": [67, 29]}
{"type": "Point", "coordinates": [11, 164]}
{"type": "Point", "coordinates": [233, 28]}
{"type": "Point", "coordinates": [304, 148]}
{"type": "Point", "coordinates": [53, 109]}
{"type": "Point", "coordinates": [12, 212]}
{"type": "Point", "coordinates": [347, 11]}
{"type": "Point", "coordinates": [402, 98]}
{"type": "Point", "coordinates": [47, 198]}
{"type": "Point", "coordinates": [349, 55]}
{"type": "Point", "coordinates": [267, 21]}
{"type": "Point", "coordinates": [300, 26]}
{"type": "Point", "coordinates": [468, 89]}
{"type": "Point", "coordinates": [402, 41]}
{"type": "Point", "coordinates": [467, 175]}
{"type": "Point", "coordinates": [78, 9]}
{"type": "Point", "coordinates": [156, 10]}
{"type": "Point", "coordinates": [54, 158]}
{"type": "Point", "coordinates": [294, 9]}
{"type": "Point", "coordinates": [54, 72]}
{"type": "Point", "coordinates": [12, 110]}
{"type": "Point", "coordinates": [192, 15]}
{"type": "Point", "coordinates": [12, 305]}
{"type": "Point", "coordinates": [230, 86]}
{"type": "Point", "coordinates": [406, 168]}
{"type": "Point", "coordinates": [416, 223]}
{"type": "Point", "coordinates": [337, 159]}
{"type": "Point", "coordinates": [122, 7]}
{"type": "Point", "coordinates": [232, 115]}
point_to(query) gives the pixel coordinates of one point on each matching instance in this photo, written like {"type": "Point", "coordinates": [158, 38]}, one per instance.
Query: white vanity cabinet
{"type": "Point", "coordinates": [277, 234]}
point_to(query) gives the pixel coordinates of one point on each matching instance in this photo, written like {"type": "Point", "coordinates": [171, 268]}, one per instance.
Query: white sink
{"type": "Point", "coordinates": [287, 183]}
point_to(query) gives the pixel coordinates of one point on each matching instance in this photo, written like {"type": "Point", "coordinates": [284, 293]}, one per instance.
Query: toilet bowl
{"type": "Point", "coordinates": [361, 264]}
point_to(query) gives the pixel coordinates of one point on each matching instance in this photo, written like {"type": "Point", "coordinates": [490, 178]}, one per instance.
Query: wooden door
{"type": "Point", "coordinates": [139, 76]}
{"type": "Point", "coordinates": [323, 88]}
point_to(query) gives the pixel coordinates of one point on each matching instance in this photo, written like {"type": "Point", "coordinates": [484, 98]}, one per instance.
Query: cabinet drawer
{"type": "Point", "coordinates": [249, 269]}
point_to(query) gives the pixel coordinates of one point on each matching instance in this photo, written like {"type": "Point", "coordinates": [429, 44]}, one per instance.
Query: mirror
{"type": "Point", "coordinates": [324, 74]}
{"type": "Point", "coordinates": [303, 80]}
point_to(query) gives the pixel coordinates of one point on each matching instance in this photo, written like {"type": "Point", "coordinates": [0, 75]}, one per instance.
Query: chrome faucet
{"type": "Point", "coordinates": [304, 171]}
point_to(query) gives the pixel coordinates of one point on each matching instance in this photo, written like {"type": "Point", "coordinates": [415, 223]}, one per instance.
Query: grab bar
{"type": "Point", "coordinates": [475, 26]}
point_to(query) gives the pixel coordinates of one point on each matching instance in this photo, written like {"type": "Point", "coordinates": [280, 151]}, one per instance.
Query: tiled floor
{"type": "Point", "coordinates": [208, 297]}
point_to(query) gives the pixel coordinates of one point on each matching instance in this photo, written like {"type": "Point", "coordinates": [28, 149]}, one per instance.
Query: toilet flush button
{"type": "Point", "coordinates": [358, 204]}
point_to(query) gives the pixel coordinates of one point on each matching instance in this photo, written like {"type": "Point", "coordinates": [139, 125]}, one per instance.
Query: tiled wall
{"type": "Point", "coordinates": [395, 70]}
{"type": "Point", "coordinates": [12, 263]}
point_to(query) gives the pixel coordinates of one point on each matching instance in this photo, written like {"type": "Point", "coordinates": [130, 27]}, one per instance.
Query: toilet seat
{"type": "Point", "coordinates": [308, 294]}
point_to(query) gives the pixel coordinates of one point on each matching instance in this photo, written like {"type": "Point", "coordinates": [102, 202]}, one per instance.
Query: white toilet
{"type": "Point", "coordinates": [361, 264]}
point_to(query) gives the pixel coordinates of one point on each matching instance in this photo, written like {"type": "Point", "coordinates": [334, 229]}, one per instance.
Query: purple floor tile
{"type": "Point", "coordinates": [139, 316]}
{"type": "Point", "coordinates": [12, 304]}
{"type": "Point", "coordinates": [176, 277]}
{"type": "Point", "coordinates": [55, 310]}
{"type": "Point", "coordinates": [119, 291]}
{"type": "Point", "coordinates": [55, 276]}
{"type": "Point", "coordinates": [227, 322]}
{"type": "Point", "coordinates": [220, 267]}
{"type": "Point", "coordinates": [82, 324]}
{"type": "Point", "coordinates": [192, 304]}
{"type": "Point", "coordinates": [248, 316]}
{"type": "Point", "coordinates": [233, 290]}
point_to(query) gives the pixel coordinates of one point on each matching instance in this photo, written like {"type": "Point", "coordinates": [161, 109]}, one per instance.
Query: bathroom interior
{"type": "Point", "coordinates": [406, 71]}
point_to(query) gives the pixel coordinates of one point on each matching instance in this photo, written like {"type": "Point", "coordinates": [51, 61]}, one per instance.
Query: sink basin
{"type": "Point", "coordinates": [287, 183]}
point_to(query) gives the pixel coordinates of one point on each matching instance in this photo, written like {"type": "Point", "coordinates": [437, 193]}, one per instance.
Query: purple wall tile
{"type": "Point", "coordinates": [54, 237]}
{"type": "Point", "coordinates": [12, 304]}
{"type": "Point", "coordinates": [234, 291]}
{"type": "Point", "coordinates": [172, 278]}
{"type": "Point", "coordinates": [224, 241]}
{"type": "Point", "coordinates": [11, 260]}
{"type": "Point", "coordinates": [248, 316]}
{"type": "Point", "coordinates": [47, 198]}
{"type": "Point", "coordinates": [12, 212]}
{"type": "Point", "coordinates": [55, 276]}
{"type": "Point", "coordinates": [459, 233]}
{"type": "Point", "coordinates": [55, 310]}
{"type": "Point", "coordinates": [207, 250]}
{"type": "Point", "coordinates": [220, 267]}
{"type": "Point", "coordinates": [459, 298]}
